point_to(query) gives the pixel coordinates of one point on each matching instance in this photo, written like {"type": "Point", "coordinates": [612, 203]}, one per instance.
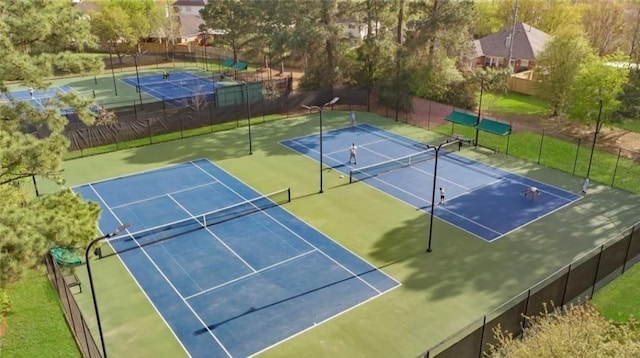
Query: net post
{"type": "Point", "coordinates": [288, 195]}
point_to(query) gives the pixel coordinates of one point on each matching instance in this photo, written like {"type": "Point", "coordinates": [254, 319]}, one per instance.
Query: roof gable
{"type": "Point", "coordinates": [527, 43]}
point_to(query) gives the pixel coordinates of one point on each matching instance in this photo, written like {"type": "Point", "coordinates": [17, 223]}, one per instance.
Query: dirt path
{"type": "Point", "coordinates": [613, 138]}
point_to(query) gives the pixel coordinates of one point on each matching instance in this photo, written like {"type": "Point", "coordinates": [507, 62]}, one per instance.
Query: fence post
{"type": "Point", "coordinates": [626, 255]}
{"type": "Point", "coordinates": [615, 169]}
{"type": "Point", "coordinates": [429, 116]}
{"type": "Point", "coordinates": [149, 130]}
{"type": "Point", "coordinates": [575, 161]}
{"type": "Point", "coordinates": [566, 283]}
{"type": "Point", "coordinates": [541, 144]}
{"type": "Point", "coordinates": [506, 150]}
{"type": "Point", "coordinates": [484, 326]}
{"type": "Point", "coordinates": [595, 277]}
{"type": "Point", "coordinates": [116, 132]}
{"type": "Point", "coordinates": [181, 126]}
{"type": "Point", "coordinates": [526, 309]}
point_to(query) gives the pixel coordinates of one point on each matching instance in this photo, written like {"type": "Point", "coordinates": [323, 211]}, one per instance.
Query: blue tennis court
{"type": "Point", "coordinates": [178, 87]}
{"type": "Point", "coordinates": [41, 99]}
{"type": "Point", "coordinates": [483, 200]}
{"type": "Point", "coordinates": [231, 271]}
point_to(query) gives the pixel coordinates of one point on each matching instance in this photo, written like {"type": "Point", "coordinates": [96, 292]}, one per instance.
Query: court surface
{"type": "Point", "coordinates": [241, 285]}
{"type": "Point", "coordinates": [483, 200]}
{"type": "Point", "coordinates": [178, 88]}
{"type": "Point", "coordinates": [41, 98]}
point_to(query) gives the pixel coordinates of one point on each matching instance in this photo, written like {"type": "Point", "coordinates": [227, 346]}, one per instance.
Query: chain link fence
{"type": "Point", "coordinates": [61, 281]}
{"type": "Point", "coordinates": [573, 283]}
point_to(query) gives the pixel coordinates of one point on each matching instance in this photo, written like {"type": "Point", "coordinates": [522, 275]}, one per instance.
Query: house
{"type": "Point", "coordinates": [189, 7]}
{"type": "Point", "coordinates": [189, 20]}
{"type": "Point", "coordinates": [527, 43]}
{"type": "Point", "coordinates": [353, 31]}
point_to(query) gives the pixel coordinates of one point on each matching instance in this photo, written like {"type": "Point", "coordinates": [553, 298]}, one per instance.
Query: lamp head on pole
{"type": "Point", "coordinates": [118, 230]}
{"type": "Point", "coordinates": [311, 107]}
{"type": "Point", "coordinates": [333, 101]}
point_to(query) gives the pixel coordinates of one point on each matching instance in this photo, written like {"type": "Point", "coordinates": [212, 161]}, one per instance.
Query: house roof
{"type": "Point", "coordinates": [528, 42]}
{"type": "Point", "coordinates": [190, 3]}
{"type": "Point", "coordinates": [190, 24]}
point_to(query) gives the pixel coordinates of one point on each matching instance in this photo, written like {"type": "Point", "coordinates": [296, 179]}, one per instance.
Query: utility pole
{"type": "Point", "coordinates": [513, 34]}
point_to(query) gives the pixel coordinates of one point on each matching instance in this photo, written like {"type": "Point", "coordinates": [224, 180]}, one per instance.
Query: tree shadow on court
{"type": "Point", "coordinates": [462, 264]}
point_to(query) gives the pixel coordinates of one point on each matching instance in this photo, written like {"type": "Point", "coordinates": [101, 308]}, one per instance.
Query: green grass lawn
{"type": "Point", "coordinates": [36, 327]}
{"type": "Point", "coordinates": [620, 299]}
{"type": "Point", "coordinates": [516, 103]}
{"type": "Point", "coordinates": [560, 154]}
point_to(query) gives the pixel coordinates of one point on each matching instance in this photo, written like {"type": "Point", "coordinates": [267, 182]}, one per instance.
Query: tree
{"type": "Point", "coordinates": [122, 24]}
{"type": "Point", "coordinates": [238, 20]}
{"type": "Point", "coordinates": [530, 12]}
{"type": "Point", "coordinates": [550, 16]}
{"type": "Point", "coordinates": [32, 141]}
{"type": "Point", "coordinates": [324, 52]}
{"type": "Point", "coordinates": [630, 97]}
{"type": "Point", "coordinates": [604, 25]}
{"type": "Point", "coordinates": [576, 331]}
{"type": "Point", "coordinates": [557, 66]}
{"type": "Point", "coordinates": [632, 34]}
{"type": "Point", "coordinates": [373, 54]}
{"type": "Point", "coordinates": [492, 80]}
{"type": "Point", "coordinates": [597, 81]}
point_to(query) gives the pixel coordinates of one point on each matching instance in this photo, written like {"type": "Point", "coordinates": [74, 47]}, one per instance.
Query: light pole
{"type": "Point", "coordinates": [595, 137]}
{"type": "Point", "coordinates": [246, 91]}
{"type": "Point", "coordinates": [93, 292]}
{"type": "Point", "coordinates": [206, 60]}
{"type": "Point", "coordinates": [113, 75]}
{"type": "Point", "coordinates": [135, 60]}
{"type": "Point", "coordinates": [433, 191]}
{"type": "Point", "coordinates": [320, 109]}
{"type": "Point", "coordinates": [479, 109]}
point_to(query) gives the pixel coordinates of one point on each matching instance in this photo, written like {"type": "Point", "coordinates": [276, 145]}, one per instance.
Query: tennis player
{"type": "Point", "coordinates": [352, 118]}
{"type": "Point", "coordinates": [441, 195]}
{"type": "Point", "coordinates": [165, 75]}
{"type": "Point", "coordinates": [31, 92]}
{"type": "Point", "coordinates": [532, 192]}
{"type": "Point", "coordinates": [353, 151]}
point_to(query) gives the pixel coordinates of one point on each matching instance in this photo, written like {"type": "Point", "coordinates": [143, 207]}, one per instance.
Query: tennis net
{"type": "Point", "coordinates": [189, 82]}
{"type": "Point", "coordinates": [163, 232]}
{"type": "Point", "coordinates": [373, 170]}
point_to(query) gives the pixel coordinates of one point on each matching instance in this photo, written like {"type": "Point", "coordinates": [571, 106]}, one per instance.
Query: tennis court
{"type": "Point", "coordinates": [483, 200]}
{"type": "Point", "coordinates": [231, 272]}
{"type": "Point", "coordinates": [41, 99]}
{"type": "Point", "coordinates": [179, 86]}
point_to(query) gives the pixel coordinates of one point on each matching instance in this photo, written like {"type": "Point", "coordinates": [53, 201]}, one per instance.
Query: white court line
{"type": "Point", "coordinates": [373, 268]}
{"type": "Point", "coordinates": [303, 239]}
{"type": "Point", "coordinates": [429, 202]}
{"type": "Point", "coordinates": [413, 166]}
{"type": "Point", "coordinates": [308, 224]}
{"type": "Point", "coordinates": [214, 235]}
{"type": "Point", "coordinates": [160, 169]}
{"type": "Point", "coordinates": [181, 267]}
{"type": "Point", "coordinates": [396, 138]}
{"type": "Point", "coordinates": [136, 281]}
{"type": "Point", "coordinates": [539, 217]}
{"type": "Point", "coordinates": [249, 274]}
{"type": "Point", "coordinates": [325, 320]}
{"type": "Point", "coordinates": [503, 175]}
{"type": "Point", "coordinates": [364, 146]}
{"type": "Point", "coordinates": [167, 280]}
{"type": "Point", "coordinates": [161, 195]}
